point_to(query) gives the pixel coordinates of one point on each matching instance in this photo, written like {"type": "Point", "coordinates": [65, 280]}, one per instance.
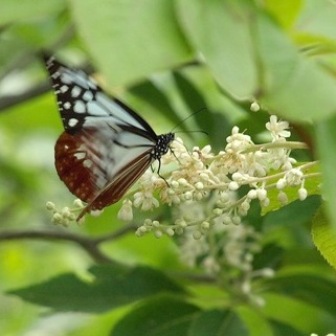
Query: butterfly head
{"type": "Point", "coordinates": [162, 145]}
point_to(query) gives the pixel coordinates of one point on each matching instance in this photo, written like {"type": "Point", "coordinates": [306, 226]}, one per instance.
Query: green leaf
{"type": "Point", "coordinates": [14, 10]}
{"type": "Point", "coordinates": [255, 321]}
{"type": "Point", "coordinates": [224, 41]}
{"type": "Point", "coordinates": [317, 18]}
{"type": "Point", "coordinates": [270, 256]}
{"type": "Point", "coordinates": [214, 124]}
{"type": "Point", "coordinates": [324, 237]}
{"type": "Point", "coordinates": [192, 97]}
{"type": "Point", "coordinates": [218, 322]}
{"type": "Point", "coordinates": [294, 214]}
{"type": "Point", "coordinates": [40, 114]}
{"type": "Point", "coordinates": [292, 101]}
{"type": "Point", "coordinates": [326, 143]}
{"type": "Point", "coordinates": [251, 57]}
{"type": "Point", "coordinates": [309, 288]}
{"type": "Point", "coordinates": [130, 40]}
{"type": "Point", "coordinates": [157, 98]}
{"type": "Point", "coordinates": [283, 329]}
{"type": "Point", "coordinates": [286, 11]}
{"type": "Point", "coordinates": [286, 77]}
{"type": "Point", "coordinates": [161, 316]}
{"type": "Point", "coordinates": [296, 313]}
{"type": "Point", "coordinates": [112, 286]}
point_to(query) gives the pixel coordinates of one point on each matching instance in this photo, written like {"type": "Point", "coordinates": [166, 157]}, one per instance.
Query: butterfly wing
{"type": "Point", "coordinates": [106, 146]}
{"type": "Point", "coordinates": [96, 172]}
{"type": "Point", "coordinates": [82, 102]}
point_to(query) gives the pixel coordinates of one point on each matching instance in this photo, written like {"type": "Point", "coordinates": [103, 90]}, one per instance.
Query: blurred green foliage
{"type": "Point", "coordinates": [167, 59]}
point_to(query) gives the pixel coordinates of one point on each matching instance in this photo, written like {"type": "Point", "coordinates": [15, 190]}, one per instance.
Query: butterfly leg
{"type": "Point", "coordinates": [158, 172]}
{"type": "Point", "coordinates": [177, 159]}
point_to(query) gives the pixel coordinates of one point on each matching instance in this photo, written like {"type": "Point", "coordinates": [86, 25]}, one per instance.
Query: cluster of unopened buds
{"type": "Point", "coordinates": [205, 188]}
{"type": "Point", "coordinates": [66, 215]}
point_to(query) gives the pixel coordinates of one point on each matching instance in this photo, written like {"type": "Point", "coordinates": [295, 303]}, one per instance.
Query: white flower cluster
{"type": "Point", "coordinates": [66, 215]}
{"type": "Point", "coordinates": [202, 186]}
{"type": "Point", "coordinates": [227, 252]}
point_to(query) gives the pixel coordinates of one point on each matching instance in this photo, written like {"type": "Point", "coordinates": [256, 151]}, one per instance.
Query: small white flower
{"type": "Point", "coordinates": [257, 301]}
{"type": "Point", "coordinates": [126, 211]}
{"type": "Point", "coordinates": [246, 287]}
{"type": "Point", "coordinates": [57, 218]}
{"type": "Point", "coordinates": [246, 205]}
{"type": "Point", "coordinates": [217, 211]}
{"type": "Point", "coordinates": [294, 177]}
{"type": "Point", "coordinates": [210, 265]}
{"type": "Point", "coordinates": [226, 219]}
{"type": "Point", "coordinates": [265, 202]}
{"type": "Point", "coordinates": [156, 224]}
{"type": "Point", "coordinates": [170, 232]}
{"type": "Point", "coordinates": [205, 225]}
{"type": "Point", "coordinates": [237, 142]}
{"type": "Point", "coordinates": [144, 228]}
{"type": "Point", "coordinates": [282, 197]}
{"type": "Point", "coordinates": [188, 195]}
{"type": "Point", "coordinates": [96, 213]}
{"type": "Point", "coordinates": [78, 203]}
{"type": "Point", "coordinates": [267, 272]}
{"type": "Point", "coordinates": [303, 193]}
{"type": "Point", "coordinates": [261, 194]}
{"type": "Point", "coordinates": [255, 107]}
{"type": "Point", "coordinates": [65, 212]}
{"type": "Point", "coordinates": [252, 194]}
{"type": "Point", "coordinates": [278, 129]}
{"type": "Point", "coordinates": [281, 183]}
{"type": "Point", "coordinates": [233, 185]}
{"type": "Point", "coordinates": [224, 197]}
{"type": "Point", "coordinates": [197, 235]}
{"type": "Point", "coordinates": [158, 233]}
{"type": "Point", "coordinates": [50, 206]}
{"type": "Point", "coordinates": [145, 200]}
{"type": "Point", "coordinates": [239, 177]}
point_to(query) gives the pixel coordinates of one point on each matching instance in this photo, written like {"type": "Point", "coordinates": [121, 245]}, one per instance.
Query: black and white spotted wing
{"type": "Point", "coordinates": [106, 145]}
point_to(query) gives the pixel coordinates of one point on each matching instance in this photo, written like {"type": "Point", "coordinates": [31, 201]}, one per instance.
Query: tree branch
{"type": "Point", "coordinates": [116, 234]}
{"type": "Point", "coordinates": [9, 101]}
{"type": "Point", "coordinates": [90, 245]}
{"type": "Point", "coordinates": [24, 60]}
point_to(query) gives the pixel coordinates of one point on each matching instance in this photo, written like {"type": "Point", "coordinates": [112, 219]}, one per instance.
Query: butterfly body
{"type": "Point", "coordinates": [106, 146]}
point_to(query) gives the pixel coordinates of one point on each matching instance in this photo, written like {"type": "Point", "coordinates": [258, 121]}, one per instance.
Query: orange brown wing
{"type": "Point", "coordinates": [83, 164]}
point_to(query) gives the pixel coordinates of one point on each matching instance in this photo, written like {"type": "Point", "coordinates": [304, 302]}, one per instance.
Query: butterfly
{"type": "Point", "coordinates": [106, 146]}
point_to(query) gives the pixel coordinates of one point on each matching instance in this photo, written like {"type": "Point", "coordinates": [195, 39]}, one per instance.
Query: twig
{"type": "Point", "coordinates": [25, 59]}
{"type": "Point", "coordinates": [9, 101]}
{"type": "Point", "coordinates": [90, 245]}
{"type": "Point", "coordinates": [22, 62]}
{"type": "Point", "coordinates": [116, 234]}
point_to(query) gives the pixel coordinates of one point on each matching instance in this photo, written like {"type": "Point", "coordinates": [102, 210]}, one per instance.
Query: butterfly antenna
{"type": "Point", "coordinates": [197, 131]}
{"type": "Point", "coordinates": [187, 117]}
